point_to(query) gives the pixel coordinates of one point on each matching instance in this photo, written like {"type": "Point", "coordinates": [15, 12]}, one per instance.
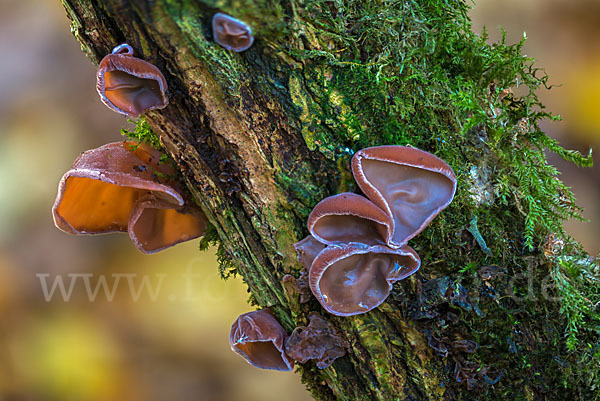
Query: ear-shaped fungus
{"type": "Point", "coordinates": [259, 338]}
{"type": "Point", "coordinates": [129, 85]}
{"type": "Point", "coordinates": [353, 278]}
{"type": "Point", "coordinates": [318, 341]}
{"type": "Point", "coordinates": [349, 217]}
{"type": "Point", "coordinates": [117, 187]}
{"type": "Point", "coordinates": [231, 33]}
{"type": "Point", "coordinates": [155, 224]}
{"type": "Point", "coordinates": [307, 250]}
{"type": "Point", "coordinates": [409, 184]}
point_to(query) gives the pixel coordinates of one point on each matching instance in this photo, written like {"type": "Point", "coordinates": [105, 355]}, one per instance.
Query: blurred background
{"type": "Point", "coordinates": [175, 345]}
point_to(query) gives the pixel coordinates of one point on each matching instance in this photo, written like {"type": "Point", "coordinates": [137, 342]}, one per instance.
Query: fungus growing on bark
{"type": "Point", "coordinates": [352, 278]}
{"type": "Point", "coordinates": [357, 247]}
{"type": "Point", "coordinates": [349, 217]}
{"type": "Point", "coordinates": [307, 250]}
{"type": "Point", "coordinates": [129, 85]}
{"type": "Point", "coordinates": [319, 340]}
{"type": "Point", "coordinates": [409, 184]}
{"type": "Point", "coordinates": [231, 33]}
{"type": "Point", "coordinates": [156, 224]}
{"type": "Point", "coordinates": [117, 187]}
{"type": "Point", "coordinates": [259, 338]}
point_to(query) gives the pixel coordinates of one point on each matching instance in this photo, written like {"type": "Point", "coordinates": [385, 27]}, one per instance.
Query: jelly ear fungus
{"type": "Point", "coordinates": [319, 341]}
{"type": "Point", "coordinates": [231, 33]}
{"type": "Point", "coordinates": [129, 85]}
{"type": "Point", "coordinates": [117, 187]}
{"type": "Point", "coordinates": [409, 184]}
{"type": "Point", "coordinates": [353, 278]}
{"type": "Point", "coordinates": [259, 338]}
{"type": "Point", "coordinates": [348, 217]}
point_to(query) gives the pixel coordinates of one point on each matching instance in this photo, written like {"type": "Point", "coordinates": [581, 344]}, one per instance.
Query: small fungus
{"type": "Point", "coordinates": [409, 184]}
{"type": "Point", "coordinates": [307, 250]}
{"type": "Point", "coordinates": [353, 278]}
{"type": "Point", "coordinates": [259, 338]}
{"type": "Point", "coordinates": [319, 340]}
{"type": "Point", "coordinates": [129, 85]}
{"type": "Point", "coordinates": [106, 191]}
{"type": "Point", "coordinates": [349, 217]}
{"type": "Point", "coordinates": [298, 286]}
{"type": "Point", "coordinates": [231, 33]}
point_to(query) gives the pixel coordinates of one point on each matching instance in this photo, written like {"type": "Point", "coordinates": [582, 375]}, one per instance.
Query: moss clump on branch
{"type": "Point", "coordinates": [142, 133]}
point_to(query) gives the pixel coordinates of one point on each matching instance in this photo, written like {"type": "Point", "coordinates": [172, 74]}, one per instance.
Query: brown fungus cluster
{"type": "Point", "coordinates": [123, 186]}
{"type": "Point", "coordinates": [261, 340]}
{"type": "Point", "coordinates": [357, 245]}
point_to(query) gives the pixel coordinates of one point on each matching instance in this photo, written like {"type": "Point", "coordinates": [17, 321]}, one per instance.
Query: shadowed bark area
{"type": "Point", "coordinates": [261, 136]}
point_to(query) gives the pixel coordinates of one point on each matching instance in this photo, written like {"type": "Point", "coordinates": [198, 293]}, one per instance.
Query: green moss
{"type": "Point", "coordinates": [142, 133]}
{"type": "Point", "coordinates": [211, 239]}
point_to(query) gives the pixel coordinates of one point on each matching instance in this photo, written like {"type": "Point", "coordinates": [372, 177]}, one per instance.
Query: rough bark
{"type": "Point", "coordinates": [260, 137]}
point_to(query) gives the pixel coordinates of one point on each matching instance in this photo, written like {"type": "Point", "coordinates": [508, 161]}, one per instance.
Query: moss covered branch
{"type": "Point", "coordinates": [502, 307]}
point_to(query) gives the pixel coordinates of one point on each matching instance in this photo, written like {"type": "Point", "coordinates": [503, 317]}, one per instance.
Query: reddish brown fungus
{"type": "Point", "coordinates": [129, 85]}
{"type": "Point", "coordinates": [155, 224]}
{"type": "Point", "coordinates": [259, 338]}
{"type": "Point", "coordinates": [354, 278]}
{"type": "Point", "coordinates": [116, 188]}
{"type": "Point", "coordinates": [319, 340]}
{"type": "Point", "coordinates": [409, 184]}
{"type": "Point", "coordinates": [307, 250]}
{"type": "Point", "coordinates": [349, 217]}
{"type": "Point", "coordinates": [231, 33]}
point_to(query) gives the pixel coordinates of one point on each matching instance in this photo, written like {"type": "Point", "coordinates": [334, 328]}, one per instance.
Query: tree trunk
{"type": "Point", "coordinates": [261, 136]}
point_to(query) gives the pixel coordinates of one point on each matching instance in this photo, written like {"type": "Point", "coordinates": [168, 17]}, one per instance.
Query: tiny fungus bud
{"type": "Point", "coordinates": [307, 250]}
{"type": "Point", "coordinates": [117, 187]}
{"type": "Point", "coordinates": [259, 338]}
{"type": "Point", "coordinates": [349, 217]}
{"type": "Point", "coordinates": [129, 85]}
{"type": "Point", "coordinates": [319, 340]}
{"type": "Point", "coordinates": [353, 278]}
{"type": "Point", "coordinates": [409, 184]}
{"type": "Point", "coordinates": [231, 33]}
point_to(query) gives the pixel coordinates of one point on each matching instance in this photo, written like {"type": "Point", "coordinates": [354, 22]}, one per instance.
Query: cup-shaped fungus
{"type": "Point", "coordinates": [231, 33]}
{"type": "Point", "coordinates": [319, 340]}
{"type": "Point", "coordinates": [118, 187]}
{"type": "Point", "coordinates": [353, 278]}
{"type": "Point", "coordinates": [129, 85]}
{"type": "Point", "coordinates": [259, 338]}
{"type": "Point", "coordinates": [156, 224]}
{"type": "Point", "coordinates": [349, 217]}
{"type": "Point", "coordinates": [409, 184]}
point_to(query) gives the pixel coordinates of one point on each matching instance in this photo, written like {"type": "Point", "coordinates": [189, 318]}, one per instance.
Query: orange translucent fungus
{"type": "Point", "coordinates": [129, 85]}
{"type": "Point", "coordinates": [123, 186]}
